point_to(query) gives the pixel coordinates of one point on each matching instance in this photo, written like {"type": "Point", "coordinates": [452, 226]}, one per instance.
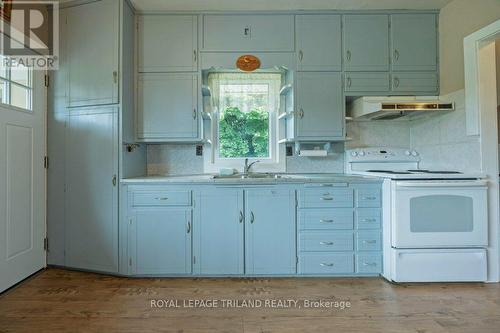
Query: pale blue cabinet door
{"type": "Point", "coordinates": [92, 53]}
{"type": "Point", "coordinates": [167, 43]}
{"type": "Point", "coordinates": [91, 210]}
{"type": "Point", "coordinates": [359, 82]}
{"type": "Point", "coordinates": [160, 241]}
{"type": "Point", "coordinates": [270, 231]}
{"type": "Point", "coordinates": [414, 42]}
{"type": "Point", "coordinates": [415, 83]}
{"type": "Point", "coordinates": [320, 106]}
{"type": "Point", "coordinates": [219, 232]}
{"type": "Point", "coordinates": [167, 107]}
{"type": "Point", "coordinates": [366, 42]}
{"type": "Point", "coordinates": [319, 41]}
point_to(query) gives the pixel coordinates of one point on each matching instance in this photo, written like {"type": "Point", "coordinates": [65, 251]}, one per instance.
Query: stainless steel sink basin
{"type": "Point", "coordinates": [255, 175]}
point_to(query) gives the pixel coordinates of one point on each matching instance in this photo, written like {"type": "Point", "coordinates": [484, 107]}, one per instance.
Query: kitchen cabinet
{"type": "Point", "coordinates": [320, 106]}
{"type": "Point", "coordinates": [366, 42]}
{"type": "Point", "coordinates": [415, 82]}
{"type": "Point", "coordinates": [253, 33]}
{"type": "Point", "coordinates": [219, 240]}
{"type": "Point", "coordinates": [93, 53]}
{"type": "Point", "coordinates": [160, 241]}
{"type": "Point", "coordinates": [414, 42]}
{"type": "Point", "coordinates": [167, 107]}
{"type": "Point", "coordinates": [360, 83]}
{"type": "Point", "coordinates": [156, 36]}
{"type": "Point", "coordinates": [319, 41]}
{"type": "Point", "coordinates": [270, 231]}
{"type": "Point", "coordinates": [91, 196]}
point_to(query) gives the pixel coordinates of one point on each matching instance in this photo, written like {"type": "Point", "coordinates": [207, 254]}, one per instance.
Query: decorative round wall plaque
{"type": "Point", "coordinates": [248, 63]}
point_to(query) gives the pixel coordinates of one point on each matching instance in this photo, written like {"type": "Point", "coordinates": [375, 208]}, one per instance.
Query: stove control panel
{"type": "Point", "coordinates": [382, 155]}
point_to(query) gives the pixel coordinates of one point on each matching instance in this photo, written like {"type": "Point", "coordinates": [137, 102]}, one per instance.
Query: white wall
{"type": "Point", "coordinates": [457, 20]}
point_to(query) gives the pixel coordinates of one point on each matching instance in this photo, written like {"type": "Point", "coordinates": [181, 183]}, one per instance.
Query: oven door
{"type": "Point", "coordinates": [439, 214]}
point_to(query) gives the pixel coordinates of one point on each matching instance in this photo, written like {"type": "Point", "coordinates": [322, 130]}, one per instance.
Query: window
{"type": "Point", "coordinates": [16, 86]}
{"type": "Point", "coordinates": [245, 114]}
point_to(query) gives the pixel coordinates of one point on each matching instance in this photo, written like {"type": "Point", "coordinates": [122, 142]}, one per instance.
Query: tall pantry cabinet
{"type": "Point", "coordinates": [90, 128]}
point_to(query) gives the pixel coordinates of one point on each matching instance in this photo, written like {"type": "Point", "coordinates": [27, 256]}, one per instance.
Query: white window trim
{"type": "Point", "coordinates": [7, 93]}
{"type": "Point", "coordinates": [275, 163]}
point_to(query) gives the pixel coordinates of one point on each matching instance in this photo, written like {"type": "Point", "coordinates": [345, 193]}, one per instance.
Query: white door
{"type": "Point", "coordinates": [440, 214]}
{"type": "Point", "coordinates": [22, 184]}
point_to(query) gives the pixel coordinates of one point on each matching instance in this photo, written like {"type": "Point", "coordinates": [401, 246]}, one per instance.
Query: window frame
{"type": "Point", "coordinates": [7, 92]}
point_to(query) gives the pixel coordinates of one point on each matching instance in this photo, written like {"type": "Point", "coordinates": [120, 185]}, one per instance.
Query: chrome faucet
{"type": "Point", "coordinates": [249, 166]}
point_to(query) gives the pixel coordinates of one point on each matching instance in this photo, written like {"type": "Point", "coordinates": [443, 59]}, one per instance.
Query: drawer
{"type": "Point", "coordinates": [368, 218]}
{"type": "Point", "coordinates": [314, 241]}
{"type": "Point", "coordinates": [325, 197]}
{"type": "Point", "coordinates": [368, 241]}
{"type": "Point", "coordinates": [369, 263]}
{"type": "Point", "coordinates": [371, 82]}
{"type": "Point", "coordinates": [368, 198]}
{"type": "Point", "coordinates": [415, 82]}
{"type": "Point", "coordinates": [248, 32]}
{"type": "Point", "coordinates": [161, 198]}
{"type": "Point", "coordinates": [333, 219]}
{"type": "Point", "coordinates": [326, 263]}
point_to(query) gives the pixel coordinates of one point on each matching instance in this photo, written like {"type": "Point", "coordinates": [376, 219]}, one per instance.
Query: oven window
{"type": "Point", "coordinates": [441, 213]}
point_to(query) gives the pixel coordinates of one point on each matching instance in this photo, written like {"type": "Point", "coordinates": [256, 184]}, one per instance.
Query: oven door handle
{"type": "Point", "coordinates": [413, 184]}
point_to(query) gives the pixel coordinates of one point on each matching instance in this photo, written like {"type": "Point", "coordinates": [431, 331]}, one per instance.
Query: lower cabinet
{"type": "Point", "coordinates": [160, 241]}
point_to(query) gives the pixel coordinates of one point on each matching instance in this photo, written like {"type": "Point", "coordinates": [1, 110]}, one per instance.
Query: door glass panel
{"type": "Point", "coordinates": [19, 97]}
{"type": "Point", "coordinates": [441, 213]}
{"type": "Point", "coordinates": [20, 75]}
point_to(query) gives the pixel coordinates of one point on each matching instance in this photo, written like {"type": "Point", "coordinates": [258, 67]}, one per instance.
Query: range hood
{"type": "Point", "coordinates": [387, 108]}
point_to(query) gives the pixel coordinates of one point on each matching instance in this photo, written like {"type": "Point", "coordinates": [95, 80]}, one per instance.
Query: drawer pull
{"type": "Point", "coordinates": [368, 198]}
{"type": "Point", "coordinates": [325, 221]}
{"type": "Point", "coordinates": [241, 216]}
{"type": "Point", "coordinates": [189, 227]}
{"type": "Point", "coordinates": [161, 198]}
{"type": "Point", "coordinates": [326, 198]}
{"type": "Point", "coordinates": [369, 220]}
{"type": "Point", "coordinates": [373, 264]}
{"type": "Point", "coordinates": [326, 243]}
{"type": "Point", "coordinates": [324, 264]}
{"type": "Point", "coordinates": [372, 241]}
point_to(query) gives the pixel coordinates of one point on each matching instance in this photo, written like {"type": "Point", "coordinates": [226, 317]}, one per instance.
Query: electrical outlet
{"type": "Point", "coordinates": [289, 151]}
{"type": "Point", "coordinates": [199, 150]}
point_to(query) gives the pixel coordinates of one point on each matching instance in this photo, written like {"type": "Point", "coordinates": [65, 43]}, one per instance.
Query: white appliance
{"type": "Point", "coordinates": [387, 108]}
{"type": "Point", "coordinates": [435, 223]}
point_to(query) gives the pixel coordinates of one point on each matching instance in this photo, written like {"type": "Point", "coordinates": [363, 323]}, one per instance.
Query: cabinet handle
{"type": "Point", "coordinates": [324, 264]}
{"type": "Point", "coordinates": [115, 76]}
{"type": "Point", "coordinates": [372, 241]}
{"type": "Point", "coordinates": [349, 81]}
{"type": "Point", "coordinates": [325, 221]}
{"type": "Point", "coordinates": [301, 55]}
{"type": "Point", "coordinates": [161, 198]}
{"type": "Point", "coordinates": [326, 243]}
{"type": "Point", "coordinates": [195, 55]}
{"type": "Point", "coordinates": [368, 220]}
{"type": "Point", "coordinates": [113, 181]}
{"type": "Point", "coordinates": [189, 227]}
{"type": "Point", "coordinates": [241, 216]}
{"type": "Point", "coordinates": [301, 113]}
{"type": "Point", "coordinates": [348, 55]}
{"type": "Point", "coordinates": [369, 264]}
{"type": "Point", "coordinates": [368, 198]}
{"type": "Point", "coordinates": [195, 114]}
{"type": "Point", "coordinates": [252, 217]}
{"type": "Point", "coordinates": [396, 55]}
{"type": "Point", "coordinates": [326, 199]}
{"type": "Point", "coordinates": [396, 82]}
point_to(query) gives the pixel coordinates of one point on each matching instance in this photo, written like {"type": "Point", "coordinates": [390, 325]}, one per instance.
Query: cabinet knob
{"type": "Point", "coordinates": [396, 55]}
{"type": "Point", "coordinates": [195, 55]}
{"type": "Point", "coordinates": [301, 55]}
{"type": "Point", "coordinates": [349, 82]}
{"type": "Point", "coordinates": [189, 227]}
{"type": "Point", "coordinates": [113, 180]}
{"type": "Point", "coordinates": [396, 82]}
{"type": "Point", "coordinates": [195, 114]}
{"type": "Point", "coordinates": [348, 55]}
{"type": "Point", "coordinates": [324, 264]}
{"type": "Point", "coordinates": [326, 243]}
{"type": "Point", "coordinates": [301, 113]}
{"type": "Point", "coordinates": [241, 216]}
{"type": "Point", "coordinates": [252, 218]}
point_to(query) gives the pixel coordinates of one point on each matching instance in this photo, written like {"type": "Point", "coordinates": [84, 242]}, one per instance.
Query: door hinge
{"type": "Point", "coordinates": [46, 244]}
{"type": "Point", "coordinates": [47, 80]}
{"type": "Point", "coordinates": [194, 260]}
{"type": "Point", "coordinates": [46, 162]}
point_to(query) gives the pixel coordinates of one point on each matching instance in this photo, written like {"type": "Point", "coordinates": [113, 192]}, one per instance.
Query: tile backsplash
{"type": "Point", "coordinates": [440, 138]}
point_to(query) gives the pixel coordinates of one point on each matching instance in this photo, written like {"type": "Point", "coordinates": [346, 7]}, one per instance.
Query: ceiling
{"type": "Point", "coordinates": [219, 5]}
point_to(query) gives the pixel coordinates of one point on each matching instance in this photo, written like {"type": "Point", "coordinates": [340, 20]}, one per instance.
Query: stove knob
{"type": "Point", "coordinates": [408, 153]}
{"type": "Point", "coordinates": [361, 153]}
{"type": "Point", "coordinates": [414, 153]}
{"type": "Point", "coordinates": [354, 153]}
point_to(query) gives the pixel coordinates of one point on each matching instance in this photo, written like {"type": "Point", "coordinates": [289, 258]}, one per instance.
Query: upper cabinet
{"type": "Point", "coordinates": [93, 53]}
{"type": "Point", "coordinates": [366, 42]}
{"type": "Point", "coordinates": [319, 42]}
{"type": "Point", "coordinates": [167, 43]}
{"type": "Point", "coordinates": [251, 33]}
{"type": "Point", "coordinates": [414, 42]}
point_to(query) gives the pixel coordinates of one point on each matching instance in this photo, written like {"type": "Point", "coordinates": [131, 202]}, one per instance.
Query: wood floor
{"type": "Point", "coordinates": [64, 301]}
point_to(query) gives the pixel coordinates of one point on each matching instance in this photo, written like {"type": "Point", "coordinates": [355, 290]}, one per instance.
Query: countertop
{"type": "Point", "coordinates": [285, 178]}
